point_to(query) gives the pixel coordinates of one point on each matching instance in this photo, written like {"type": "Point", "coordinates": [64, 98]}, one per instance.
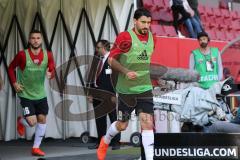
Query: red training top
{"type": "Point", "coordinates": [20, 61]}
{"type": "Point", "coordinates": [123, 43]}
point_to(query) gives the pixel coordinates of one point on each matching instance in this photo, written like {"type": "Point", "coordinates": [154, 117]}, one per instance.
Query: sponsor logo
{"type": "Point", "coordinates": [226, 87]}
{"type": "Point", "coordinates": [214, 59]}
{"type": "Point", "coordinates": [209, 78]}
{"type": "Point", "coordinates": [143, 56]}
{"type": "Point", "coordinates": [170, 98]}
{"type": "Point", "coordinates": [200, 61]}
{"type": "Point", "coordinates": [197, 152]}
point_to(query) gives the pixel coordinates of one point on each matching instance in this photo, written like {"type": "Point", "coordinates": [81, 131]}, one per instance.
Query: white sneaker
{"type": "Point", "coordinates": [180, 35]}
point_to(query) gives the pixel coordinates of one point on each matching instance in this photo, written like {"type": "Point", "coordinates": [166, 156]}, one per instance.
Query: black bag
{"type": "Point", "coordinates": [177, 2]}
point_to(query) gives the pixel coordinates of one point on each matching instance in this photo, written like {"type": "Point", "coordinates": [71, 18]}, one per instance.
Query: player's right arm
{"type": "Point", "coordinates": [18, 61]}
{"type": "Point", "coordinates": [121, 45]}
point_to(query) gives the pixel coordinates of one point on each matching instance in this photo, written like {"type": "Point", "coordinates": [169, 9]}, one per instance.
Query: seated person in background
{"type": "Point", "coordinates": [181, 7]}
{"type": "Point", "coordinates": [207, 61]}
{"type": "Point", "coordinates": [194, 5]}
{"type": "Point", "coordinates": [192, 24]}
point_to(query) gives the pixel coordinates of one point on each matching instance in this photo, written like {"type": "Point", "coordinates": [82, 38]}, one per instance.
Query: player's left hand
{"type": "Point", "coordinates": [48, 74]}
{"type": "Point", "coordinates": [131, 75]}
{"type": "Point", "coordinates": [113, 99]}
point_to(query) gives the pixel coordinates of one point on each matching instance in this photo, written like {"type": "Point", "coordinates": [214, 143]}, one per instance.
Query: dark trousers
{"type": "Point", "coordinates": [101, 124]}
{"type": "Point", "coordinates": [176, 10]}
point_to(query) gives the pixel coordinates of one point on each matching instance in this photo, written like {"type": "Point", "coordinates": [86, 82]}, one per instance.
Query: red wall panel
{"type": "Point", "coordinates": [175, 52]}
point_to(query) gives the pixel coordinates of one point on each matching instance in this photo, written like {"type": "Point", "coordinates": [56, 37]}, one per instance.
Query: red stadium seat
{"type": "Point", "coordinates": [220, 23]}
{"type": "Point", "coordinates": [166, 3]}
{"type": "Point", "coordinates": [163, 15]}
{"type": "Point", "coordinates": [209, 22]}
{"type": "Point", "coordinates": [221, 35]}
{"type": "Point", "coordinates": [209, 11]}
{"type": "Point", "coordinates": [235, 33]}
{"type": "Point", "coordinates": [158, 30]}
{"type": "Point", "coordinates": [236, 25]}
{"type": "Point", "coordinates": [155, 22]}
{"type": "Point", "coordinates": [234, 15]}
{"type": "Point", "coordinates": [148, 4]}
{"type": "Point", "coordinates": [211, 33]}
{"type": "Point", "coordinates": [156, 15]}
{"type": "Point", "coordinates": [170, 31]}
{"type": "Point", "coordinates": [225, 13]}
{"type": "Point", "coordinates": [217, 12]}
{"type": "Point", "coordinates": [238, 14]}
{"type": "Point", "coordinates": [204, 21]}
{"type": "Point", "coordinates": [201, 9]}
{"type": "Point", "coordinates": [230, 35]}
{"type": "Point", "coordinates": [159, 4]}
{"type": "Point", "coordinates": [158, 10]}
{"type": "Point", "coordinates": [228, 23]}
{"type": "Point", "coordinates": [166, 15]}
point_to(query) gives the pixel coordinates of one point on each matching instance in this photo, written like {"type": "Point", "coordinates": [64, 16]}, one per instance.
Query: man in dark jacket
{"type": "Point", "coordinates": [102, 81]}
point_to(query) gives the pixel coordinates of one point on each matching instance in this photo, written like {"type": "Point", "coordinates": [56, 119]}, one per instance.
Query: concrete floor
{"type": "Point", "coordinates": [71, 149]}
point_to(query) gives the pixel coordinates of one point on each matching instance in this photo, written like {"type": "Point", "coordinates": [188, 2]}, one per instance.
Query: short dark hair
{"type": "Point", "coordinates": [35, 31]}
{"type": "Point", "coordinates": [141, 12]}
{"type": "Point", "coordinates": [105, 44]}
{"type": "Point", "coordinates": [202, 34]}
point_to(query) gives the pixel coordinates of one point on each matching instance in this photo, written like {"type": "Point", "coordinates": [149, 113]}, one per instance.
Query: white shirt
{"type": "Point", "coordinates": [105, 57]}
{"type": "Point", "coordinates": [103, 61]}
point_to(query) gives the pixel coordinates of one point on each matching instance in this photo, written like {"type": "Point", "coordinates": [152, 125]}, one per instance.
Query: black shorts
{"type": "Point", "coordinates": [140, 102]}
{"type": "Point", "coordinates": [34, 107]}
